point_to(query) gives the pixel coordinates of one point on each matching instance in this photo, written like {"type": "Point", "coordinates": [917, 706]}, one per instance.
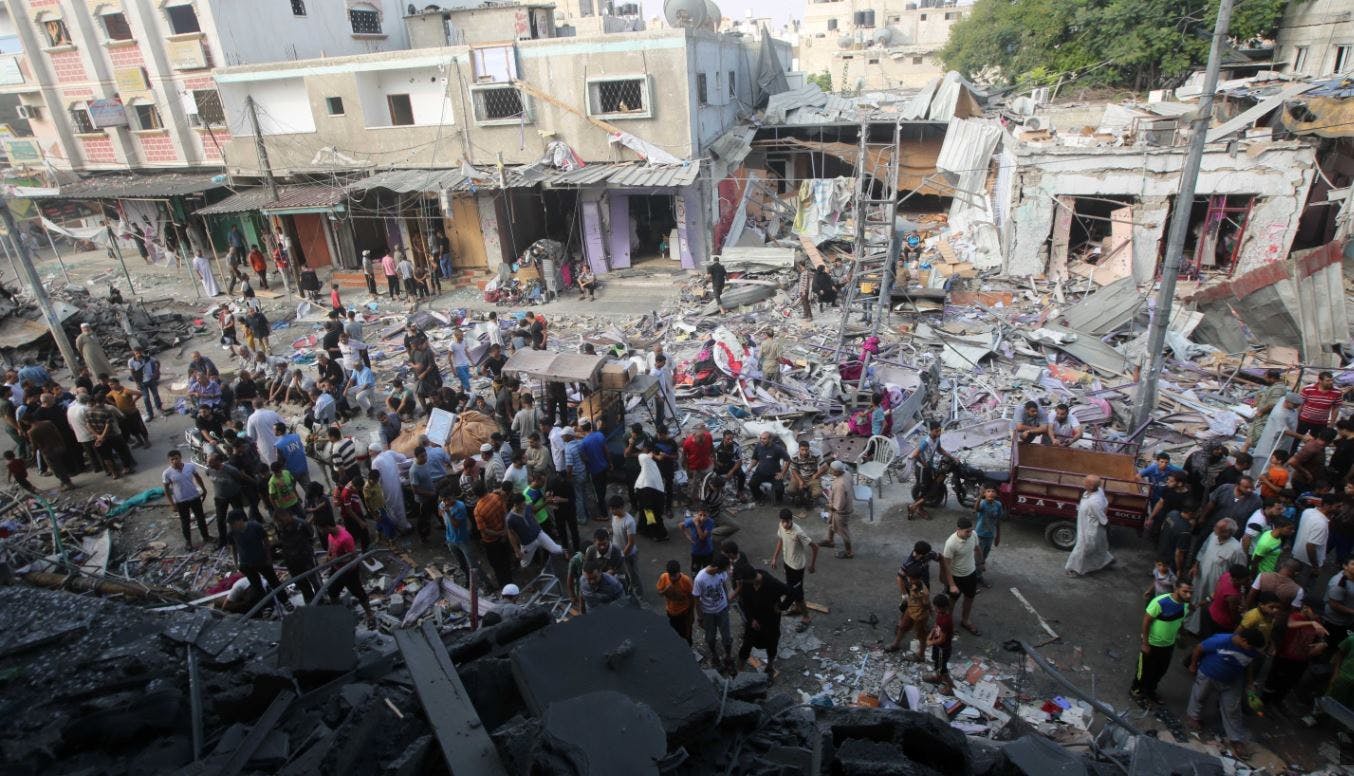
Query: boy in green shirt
{"type": "Point", "coordinates": [1266, 550]}
{"type": "Point", "coordinates": [282, 490]}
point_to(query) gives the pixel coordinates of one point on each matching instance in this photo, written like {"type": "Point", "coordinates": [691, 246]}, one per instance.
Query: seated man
{"type": "Point", "coordinates": [806, 475]}
{"type": "Point", "coordinates": [404, 402]}
{"type": "Point", "coordinates": [1064, 427]}
{"type": "Point", "coordinates": [1032, 424]}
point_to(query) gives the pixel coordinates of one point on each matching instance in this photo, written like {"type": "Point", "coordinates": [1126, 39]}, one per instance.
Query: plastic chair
{"type": "Point", "coordinates": [880, 453]}
{"type": "Point", "coordinates": [863, 493]}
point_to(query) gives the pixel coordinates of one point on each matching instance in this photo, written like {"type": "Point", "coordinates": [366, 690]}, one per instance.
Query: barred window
{"type": "Point", "coordinates": [365, 21]}
{"type": "Point", "coordinates": [209, 111]}
{"type": "Point", "coordinates": [298, 7]}
{"type": "Point", "coordinates": [621, 97]}
{"type": "Point", "coordinates": [498, 103]}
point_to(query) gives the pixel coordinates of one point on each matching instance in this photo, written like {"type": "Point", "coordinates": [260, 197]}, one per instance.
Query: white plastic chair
{"type": "Point", "coordinates": [863, 493]}
{"type": "Point", "coordinates": [880, 453]}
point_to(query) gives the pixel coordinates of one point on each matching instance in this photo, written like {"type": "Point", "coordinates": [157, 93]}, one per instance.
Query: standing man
{"type": "Point", "coordinates": [1309, 546]}
{"type": "Point", "coordinates": [675, 588]}
{"type": "Point", "coordinates": [698, 455]}
{"type": "Point", "coordinates": [145, 371]}
{"type": "Point", "coordinates": [259, 427]}
{"type": "Point", "coordinates": [460, 359]}
{"type": "Point", "coordinates": [1216, 555]}
{"type": "Point", "coordinates": [1279, 428]}
{"type": "Point", "coordinates": [840, 502]}
{"type": "Point", "coordinates": [296, 540]}
{"type": "Point", "coordinates": [406, 269]}
{"type": "Point", "coordinates": [491, 515]}
{"type": "Point", "coordinates": [595, 459]}
{"type": "Point", "coordinates": [292, 452]}
{"type": "Point", "coordinates": [368, 273]}
{"type": "Point", "coordinates": [91, 351]}
{"type": "Point", "coordinates": [713, 595]}
{"type": "Point", "coordinates": [666, 400]}
{"type": "Point", "coordinates": [1320, 404]}
{"type": "Point", "coordinates": [1160, 628]}
{"type": "Point", "coordinates": [343, 550]}
{"type": "Point", "coordinates": [800, 554]}
{"type": "Point", "coordinates": [227, 491]}
{"type": "Point", "coordinates": [1092, 549]}
{"type": "Point", "coordinates": [1220, 663]}
{"type": "Point", "coordinates": [391, 271]}
{"type": "Point", "coordinates": [717, 275]}
{"type": "Point", "coordinates": [763, 599]}
{"type": "Point", "coordinates": [183, 490]}
{"type": "Point", "coordinates": [253, 555]}
{"type": "Point", "coordinates": [959, 569]}
{"type": "Point", "coordinates": [585, 504]}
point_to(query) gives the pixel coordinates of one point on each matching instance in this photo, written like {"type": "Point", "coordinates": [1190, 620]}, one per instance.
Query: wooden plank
{"type": "Point", "coordinates": [1062, 235]}
{"type": "Point", "coordinates": [820, 608]}
{"type": "Point", "coordinates": [466, 745]}
{"type": "Point", "coordinates": [811, 251]}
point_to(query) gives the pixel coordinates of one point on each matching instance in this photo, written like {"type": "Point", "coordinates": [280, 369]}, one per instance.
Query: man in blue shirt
{"type": "Point", "coordinates": [596, 459]}
{"type": "Point", "coordinates": [575, 467]}
{"type": "Point", "coordinates": [1220, 662]}
{"type": "Point", "coordinates": [987, 515]}
{"type": "Point", "coordinates": [362, 387]}
{"type": "Point", "coordinates": [292, 452]}
{"type": "Point", "coordinates": [456, 521]}
{"type": "Point", "coordinates": [33, 372]}
{"type": "Point", "coordinates": [1155, 474]}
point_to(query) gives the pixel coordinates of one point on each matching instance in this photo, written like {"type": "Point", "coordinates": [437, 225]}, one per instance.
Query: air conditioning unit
{"type": "Point", "coordinates": [29, 111]}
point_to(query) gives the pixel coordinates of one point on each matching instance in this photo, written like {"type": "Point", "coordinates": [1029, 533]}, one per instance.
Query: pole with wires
{"type": "Point", "coordinates": [1146, 399]}
{"type": "Point", "coordinates": [268, 179]}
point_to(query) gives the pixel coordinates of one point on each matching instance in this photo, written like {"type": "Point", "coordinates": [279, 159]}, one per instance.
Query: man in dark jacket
{"type": "Point", "coordinates": [763, 599]}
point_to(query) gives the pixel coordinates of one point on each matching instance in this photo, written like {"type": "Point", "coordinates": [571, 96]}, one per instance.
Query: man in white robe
{"type": "Point", "coordinates": [386, 464]}
{"type": "Point", "coordinates": [203, 269]}
{"type": "Point", "coordinates": [1217, 553]}
{"type": "Point", "coordinates": [1280, 427]}
{"type": "Point", "coordinates": [1092, 550]}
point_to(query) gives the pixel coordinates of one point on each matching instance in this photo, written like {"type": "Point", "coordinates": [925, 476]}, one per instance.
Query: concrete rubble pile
{"type": "Point", "coordinates": [110, 688]}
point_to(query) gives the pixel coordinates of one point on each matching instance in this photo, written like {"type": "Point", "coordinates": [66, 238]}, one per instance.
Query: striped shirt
{"type": "Point", "coordinates": [343, 454]}
{"type": "Point", "coordinates": [573, 460]}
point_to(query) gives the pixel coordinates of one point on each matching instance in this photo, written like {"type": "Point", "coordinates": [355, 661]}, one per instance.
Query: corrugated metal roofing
{"type": "Point", "coordinates": [408, 181]}
{"type": "Point", "coordinates": [137, 186]}
{"type": "Point", "coordinates": [289, 198]}
{"type": "Point", "coordinates": [615, 174]}
{"type": "Point", "coordinates": [733, 146]}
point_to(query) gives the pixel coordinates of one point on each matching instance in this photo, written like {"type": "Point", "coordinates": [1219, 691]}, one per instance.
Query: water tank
{"type": "Point", "coordinates": [869, 18]}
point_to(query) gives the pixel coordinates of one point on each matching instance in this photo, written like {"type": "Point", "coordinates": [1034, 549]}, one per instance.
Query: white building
{"type": "Point", "coordinates": [1316, 38]}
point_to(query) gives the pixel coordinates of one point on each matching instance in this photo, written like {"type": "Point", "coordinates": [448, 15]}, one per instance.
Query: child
{"type": "Point", "coordinates": [334, 299]}
{"type": "Point", "coordinates": [1263, 616]}
{"type": "Point", "coordinates": [1163, 581]}
{"type": "Point", "coordinates": [987, 515]}
{"type": "Point", "coordinates": [675, 587]}
{"type": "Point", "coordinates": [374, 499]}
{"type": "Point", "coordinates": [915, 609]}
{"type": "Point", "coordinates": [699, 530]}
{"type": "Point", "coordinates": [18, 471]}
{"type": "Point", "coordinates": [1275, 476]}
{"type": "Point", "coordinates": [942, 635]}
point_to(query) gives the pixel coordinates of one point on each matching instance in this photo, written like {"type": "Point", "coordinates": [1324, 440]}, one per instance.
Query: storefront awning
{"type": "Point", "coordinates": [291, 199]}
{"type": "Point", "coordinates": [555, 367]}
{"type": "Point", "coordinates": [609, 174]}
{"type": "Point", "coordinates": [137, 186]}
{"type": "Point", "coordinates": [627, 175]}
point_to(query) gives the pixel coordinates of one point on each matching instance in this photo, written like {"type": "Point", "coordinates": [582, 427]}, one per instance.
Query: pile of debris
{"type": "Point", "coordinates": [113, 689]}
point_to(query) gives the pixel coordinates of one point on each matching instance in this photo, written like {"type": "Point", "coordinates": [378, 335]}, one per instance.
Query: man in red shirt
{"type": "Point", "coordinates": [1321, 404]}
{"type": "Point", "coordinates": [491, 513]}
{"type": "Point", "coordinates": [698, 451]}
{"type": "Point", "coordinates": [341, 545]}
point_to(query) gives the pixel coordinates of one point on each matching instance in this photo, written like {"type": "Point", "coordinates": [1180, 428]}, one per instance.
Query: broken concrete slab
{"type": "Point", "coordinates": [569, 659]}
{"type": "Point", "coordinates": [605, 733]}
{"type": "Point", "coordinates": [1107, 309]}
{"type": "Point", "coordinates": [922, 738]}
{"type": "Point", "coordinates": [318, 638]}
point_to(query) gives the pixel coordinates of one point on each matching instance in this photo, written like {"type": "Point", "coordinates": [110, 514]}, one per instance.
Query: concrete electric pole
{"type": "Point", "coordinates": [1146, 399]}
{"type": "Point", "coordinates": [39, 291]}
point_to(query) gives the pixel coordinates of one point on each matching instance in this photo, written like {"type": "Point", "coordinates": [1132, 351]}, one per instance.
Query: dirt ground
{"type": "Point", "coordinates": [1097, 617]}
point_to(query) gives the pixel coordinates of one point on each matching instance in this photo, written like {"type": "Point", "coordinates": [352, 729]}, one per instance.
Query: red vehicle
{"type": "Point", "coordinates": [1045, 481]}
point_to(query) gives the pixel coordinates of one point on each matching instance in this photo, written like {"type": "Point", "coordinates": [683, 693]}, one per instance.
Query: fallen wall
{"type": "Point", "coordinates": [1278, 174]}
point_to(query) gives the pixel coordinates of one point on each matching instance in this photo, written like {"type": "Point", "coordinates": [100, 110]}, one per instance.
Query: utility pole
{"type": "Point", "coordinates": [268, 179]}
{"type": "Point", "coordinates": [39, 291]}
{"type": "Point", "coordinates": [1146, 399]}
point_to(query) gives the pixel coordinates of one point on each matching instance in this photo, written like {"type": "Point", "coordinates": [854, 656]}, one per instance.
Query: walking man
{"type": "Point", "coordinates": [959, 569]}
{"type": "Point", "coordinates": [1220, 663]}
{"type": "Point", "coordinates": [184, 489]}
{"type": "Point", "coordinates": [1092, 549]}
{"type": "Point", "coordinates": [800, 554]}
{"type": "Point", "coordinates": [717, 275]}
{"type": "Point", "coordinates": [841, 498]}
{"type": "Point", "coordinates": [146, 371]}
{"type": "Point", "coordinates": [1160, 627]}
{"type": "Point", "coordinates": [713, 595]}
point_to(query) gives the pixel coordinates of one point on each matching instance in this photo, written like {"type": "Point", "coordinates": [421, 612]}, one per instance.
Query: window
{"type": "Point", "coordinates": [57, 34]}
{"type": "Point", "coordinates": [733, 82]}
{"type": "Point", "coordinates": [182, 19]}
{"type": "Point", "coordinates": [951, 15]}
{"type": "Point", "coordinates": [872, 61]}
{"type": "Point", "coordinates": [1300, 59]}
{"type": "Point", "coordinates": [831, 25]}
{"type": "Point", "coordinates": [81, 121]}
{"type": "Point", "coordinates": [147, 117]}
{"type": "Point", "coordinates": [895, 19]}
{"type": "Point", "coordinates": [365, 21]}
{"type": "Point", "coordinates": [619, 98]}
{"type": "Point", "coordinates": [115, 27]}
{"type": "Point", "coordinates": [499, 104]}
{"type": "Point", "coordinates": [209, 111]}
{"type": "Point", "coordinates": [1342, 58]}
{"type": "Point", "coordinates": [702, 94]}
{"type": "Point", "coordinates": [916, 60]}
{"type": "Point", "coordinates": [334, 105]}
{"type": "Point", "coordinates": [401, 110]}
{"type": "Point", "coordinates": [298, 7]}
{"type": "Point", "coordinates": [923, 17]}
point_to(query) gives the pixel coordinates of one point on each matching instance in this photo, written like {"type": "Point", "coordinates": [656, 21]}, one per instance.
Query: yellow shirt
{"type": "Point", "coordinates": [124, 401]}
{"type": "Point", "coordinates": [1256, 619]}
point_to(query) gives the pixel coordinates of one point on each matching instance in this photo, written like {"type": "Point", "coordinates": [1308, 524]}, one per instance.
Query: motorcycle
{"type": "Point", "coordinates": [966, 480]}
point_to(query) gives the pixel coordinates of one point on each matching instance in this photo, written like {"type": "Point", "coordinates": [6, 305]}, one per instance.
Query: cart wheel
{"type": "Point", "coordinates": [1062, 534]}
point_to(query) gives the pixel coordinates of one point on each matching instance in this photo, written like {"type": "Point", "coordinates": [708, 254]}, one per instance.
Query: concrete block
{"type": "Point", "coordinates": [569, 659]}
{"type": "Point", "coordinates": [605, 734]}
{"type": "Point", "coordinates": [860, 757]}
{"type": "Point", "coordinates": [411, 760]}
{"type": "Point", "coordinates": [318, 638]}
{"type": "Point", "coordinates": [923, 738]}
{"type": "Point", "coordinates": [740, 713]}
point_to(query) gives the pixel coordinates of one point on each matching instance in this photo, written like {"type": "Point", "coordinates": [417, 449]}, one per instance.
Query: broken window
{"type": "Point", "coordinates": [81, 121]}
{"type": "Point", "coordinates": [298, 7]}
{"type": "Point", "coordinates": [209, 111]}
{"type": "Point", "coordinates": [1342, 58]}
{"type": "Point", "coordinates": [498, 103]}
{"type": "Point", "coordinates": [1300, 59]}
{"type": "Point", "coordinates": [1217, 228]}
{"type": "Point", "coordinates": [334, 106]}
{"type": "Point", "coordinates": [1093, 233]}
{"type": "Point", "coordinates": [147, 117]}
{"type": "Point", "coordinates": [401, 110]}
{"type": "Point", "coordinates": [115, 26]}
{"type": "Point", "coordinates": [733, 82]}
{"type": "Point", "coordinates": [623, 97]}
{"type": "Point", "coordinates": [57, 34]}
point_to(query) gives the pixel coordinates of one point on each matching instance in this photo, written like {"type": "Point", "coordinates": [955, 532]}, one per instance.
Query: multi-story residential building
{"type": "Point", "coordinates": [1316, 38]}
{"type": "Point", "coordinates": [127, 84]}
{"type": "Point", "coordinates": [496, 133]}
{"type": "Point", "coordinates": [876, 44]}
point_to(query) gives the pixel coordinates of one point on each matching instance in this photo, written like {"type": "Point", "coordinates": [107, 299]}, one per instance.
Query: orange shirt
{"type": "Point", "coordinates": [676, 593]}
{"type": "Point", "coordinates": [490, 515]}
{"type": "Point", "coordinates": [1277, 475]}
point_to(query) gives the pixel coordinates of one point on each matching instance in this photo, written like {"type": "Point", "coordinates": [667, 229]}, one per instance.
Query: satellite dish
{"type": "Point", "coordinates": [684, 13]}
{"type": "Point", "coordinates": [846, 42]}
{"type": "Point", "coordinates": [713, 16]}
{"type": "Point", "coordinates": [883, 36]}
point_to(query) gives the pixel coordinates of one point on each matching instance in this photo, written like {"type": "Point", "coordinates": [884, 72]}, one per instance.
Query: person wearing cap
{"type": "Point", "coordinates": [509, 606]}
{"type": "Point", "coordinates": [840, 501]}
{"type": "Point", "coordinates": [369, 273]}
{"type": "Point", "coordinates": [91, 351]}
{"type": "Point", "coordinates": [1280, 427]}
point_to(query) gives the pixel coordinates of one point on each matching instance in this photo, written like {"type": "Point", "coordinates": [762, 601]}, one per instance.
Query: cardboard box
{"type": "Point", "coordinates": [617, 374]}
